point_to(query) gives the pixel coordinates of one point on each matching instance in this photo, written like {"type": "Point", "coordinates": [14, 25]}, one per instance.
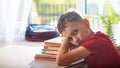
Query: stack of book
{"type": "Point", "coordinates": [50, 49]}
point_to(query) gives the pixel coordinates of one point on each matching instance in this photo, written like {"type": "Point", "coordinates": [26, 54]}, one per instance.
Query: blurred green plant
{"type": "Point", "coordinates": [110, 17]}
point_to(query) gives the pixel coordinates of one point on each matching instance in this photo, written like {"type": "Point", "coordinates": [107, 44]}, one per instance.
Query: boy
{"type": "Point", "coordinates": [96, 48]}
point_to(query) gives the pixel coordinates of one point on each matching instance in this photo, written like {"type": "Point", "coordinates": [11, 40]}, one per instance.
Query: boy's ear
{"type": "Point", "coordinates": [86, 22]}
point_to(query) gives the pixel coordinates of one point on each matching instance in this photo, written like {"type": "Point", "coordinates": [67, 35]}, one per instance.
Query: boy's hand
{"type": "Point", "coordinates": [65, 44]}
{"type": "Point", "coordinates": [68, 44]}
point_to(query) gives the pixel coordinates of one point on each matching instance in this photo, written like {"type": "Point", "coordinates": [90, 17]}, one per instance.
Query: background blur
{"type": "Point", "coordinates": [16, 15]}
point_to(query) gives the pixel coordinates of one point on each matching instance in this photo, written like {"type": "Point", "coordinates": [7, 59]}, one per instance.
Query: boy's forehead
{"type": "Point", "coordinates": [69, 24]}
{"type": "Point", "coordinates": [66, 32]}
{"type": "Point", "coordinates": [69, 28]}
{"type": "Point", "coordinates": [72, 25]}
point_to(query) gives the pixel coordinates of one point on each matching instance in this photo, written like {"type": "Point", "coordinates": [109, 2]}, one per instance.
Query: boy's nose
{"type": "Point", "coordinates": [75, 41]}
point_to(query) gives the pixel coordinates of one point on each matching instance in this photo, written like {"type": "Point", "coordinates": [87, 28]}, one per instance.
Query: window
{"type": "Point", "coordinates": [48, 11]}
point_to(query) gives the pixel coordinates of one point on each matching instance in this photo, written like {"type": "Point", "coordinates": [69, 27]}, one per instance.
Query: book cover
{"type": "Point", "coordinates": [53, 42]}
{"type": "Point", "coordinates": [78, 64]}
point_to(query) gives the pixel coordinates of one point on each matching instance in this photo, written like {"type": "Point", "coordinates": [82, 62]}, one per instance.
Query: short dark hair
{"type": "Point", "coordinates": [70, 16]}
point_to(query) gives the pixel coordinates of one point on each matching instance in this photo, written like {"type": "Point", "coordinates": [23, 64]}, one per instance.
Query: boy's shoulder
{"type": "Point", "coordinates": [100, 34]}
{"type": "Point", "coordinates": [97, 39]}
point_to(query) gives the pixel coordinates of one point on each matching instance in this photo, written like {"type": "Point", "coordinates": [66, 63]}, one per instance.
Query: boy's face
{"type": "Point", "coordinates": [76, 33]}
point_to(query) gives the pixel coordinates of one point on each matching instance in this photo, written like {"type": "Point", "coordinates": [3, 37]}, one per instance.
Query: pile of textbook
{"type": "Point", "coordinates": [40, 32]}
{"type": "Point", "coordinates": [50, 49]}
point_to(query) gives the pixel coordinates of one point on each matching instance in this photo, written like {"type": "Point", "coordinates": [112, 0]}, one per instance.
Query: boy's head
{"type": "Point", "coordinates": [72, 26]}
{"type": "Point", "coordinates": [70, 16]}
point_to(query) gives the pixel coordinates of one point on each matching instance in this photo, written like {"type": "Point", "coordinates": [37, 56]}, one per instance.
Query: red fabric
{"type": "Point", "coordinates": [104, 53]}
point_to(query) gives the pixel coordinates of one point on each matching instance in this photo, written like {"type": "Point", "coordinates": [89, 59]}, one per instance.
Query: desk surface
{"type": "Point", "coordinates": [44, 64]}
{"type": "Point", "coordinates": [21, 56]}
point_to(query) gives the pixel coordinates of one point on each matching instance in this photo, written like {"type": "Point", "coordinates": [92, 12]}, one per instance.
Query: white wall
{"type": "Point", "coordinates": [13, 19]}
{"type": "Point", "coordinates": [116, 31]}
{"type": "Point", "coordinates": [116, 27]}
{"type": "Point", "coordinates": [81, 6]}
{"type": "Point", "coordinates": [8, 19]}
{"type": "Point", "coordinates": [116, 5]}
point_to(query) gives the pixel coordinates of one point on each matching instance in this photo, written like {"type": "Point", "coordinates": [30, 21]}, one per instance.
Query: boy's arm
{"type": "Point", "coordinates": [66, 56]}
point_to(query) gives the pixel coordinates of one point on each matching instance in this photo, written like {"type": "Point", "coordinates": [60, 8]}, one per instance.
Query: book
{"type": "Point", "coordinates": [44, 58]}
{"type": "Point", "coordinates": [56, 48]}
{"type": "Point", "coordinates": [46, 55]}
{"type": "Point", "coordinates": [50, 49]}
{"type": "Point", "coordinates": [53, 42]}
{"type": "Point", "coordinates": [49, 52]}
{"type": "Point", "coordinates": [78, 64]}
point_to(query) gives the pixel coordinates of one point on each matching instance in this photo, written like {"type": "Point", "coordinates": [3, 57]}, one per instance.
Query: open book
{"type": "Point", "coordinates": [78, 64]}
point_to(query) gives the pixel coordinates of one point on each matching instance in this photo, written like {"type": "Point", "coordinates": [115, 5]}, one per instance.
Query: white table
{"type": "Point", "coordinates": [44, 64]}
{"type": "Point", "coordinates": [22, 56]}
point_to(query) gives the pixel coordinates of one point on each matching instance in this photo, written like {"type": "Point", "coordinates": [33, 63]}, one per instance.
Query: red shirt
{"type": "Point", "coordinates": [104, 53]}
